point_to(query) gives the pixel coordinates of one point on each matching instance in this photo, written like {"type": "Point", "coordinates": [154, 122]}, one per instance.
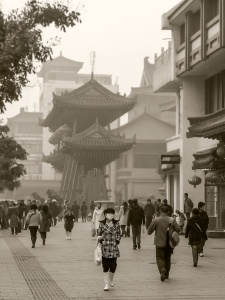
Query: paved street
{"type": "Point", "coordinates": [65, 270]}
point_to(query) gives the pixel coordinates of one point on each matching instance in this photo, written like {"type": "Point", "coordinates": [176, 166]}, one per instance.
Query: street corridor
{"type": "Point", "coordinates": [64, 269]}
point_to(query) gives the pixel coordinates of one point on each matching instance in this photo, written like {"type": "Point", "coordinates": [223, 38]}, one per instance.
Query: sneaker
{"type": "Point", "coordinates": [106, 288]}
{"type": "Point", "coordinates": [201, 254]}
{"type": "Point", "coordinates": [139, 245]}
{"type": "Point", "coordinates": [163, 275]}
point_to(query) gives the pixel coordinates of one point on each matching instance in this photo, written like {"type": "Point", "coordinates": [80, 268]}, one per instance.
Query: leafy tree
{"type": "Point", "coordinates": [10, 169]}
{"type": "Point", "coordinates": [21, 43]}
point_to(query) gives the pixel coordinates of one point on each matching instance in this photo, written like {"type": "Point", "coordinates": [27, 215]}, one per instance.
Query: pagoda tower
{"type": "Point", "coordinates": [83, 145]}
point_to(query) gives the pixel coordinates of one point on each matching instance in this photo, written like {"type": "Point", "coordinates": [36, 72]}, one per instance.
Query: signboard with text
{"type": "Point", "coordinates": [170, 159]}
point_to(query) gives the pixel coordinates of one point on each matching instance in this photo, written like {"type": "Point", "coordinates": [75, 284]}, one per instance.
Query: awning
{"type": "Point", "coordinates": [210, 126]}
{"type": "Point", "coordinates": [208, 159]}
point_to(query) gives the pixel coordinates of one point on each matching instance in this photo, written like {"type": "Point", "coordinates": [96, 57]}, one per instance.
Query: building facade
{"type": "Point", "coordinates": [136, 173]}
{"type": "Point", "coordinates": [193, 68]}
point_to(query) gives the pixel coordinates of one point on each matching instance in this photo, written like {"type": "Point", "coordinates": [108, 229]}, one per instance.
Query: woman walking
{"type": "Point", "coordinates": [33, 220]}
{"type": "Point", "coordinates": [98, 215]}
{"type": "Point", "coordinates": [69, 219]}
{"type": "Point", "coordinates": [123, 216]}
{"type": "Point", "coordinates": [109, 236]}
{"type": "Point", "coordinates": [14, 218]}
{"type": "Point", "coordinates": [195, 233]}
{"type": "Point", "coordinates": [45, 222]}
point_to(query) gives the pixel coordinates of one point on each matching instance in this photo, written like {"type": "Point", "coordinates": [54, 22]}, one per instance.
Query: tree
{"type": "Point", "coordinates": [21, 43]}
{"type": "Point", "coordinates": [10, 169]}
{"type": "Point", "coordinates": [54, 195]}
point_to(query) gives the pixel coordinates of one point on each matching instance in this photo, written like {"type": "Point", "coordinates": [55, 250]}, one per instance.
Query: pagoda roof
{"type": "Point", "coordinates": [208, 159]}
{"type": "Point", "coordinates": [25, 116]}
{"type": "Point", "coordinates": [84, 104]}
{"type": "Point", "coordinates": [60, 61]}
{"type": "Point", "coordinates": [96, 147]}
{"type": "Point", "coordinates": [61, 132]}
{"type": "Point", "coordinates": [56, 159]}
{"type": "Point", "coordinates": [209, 126]}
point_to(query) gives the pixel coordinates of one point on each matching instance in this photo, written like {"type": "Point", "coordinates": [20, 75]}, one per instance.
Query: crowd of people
{"type": "Point", "coordinates": [157, 217]}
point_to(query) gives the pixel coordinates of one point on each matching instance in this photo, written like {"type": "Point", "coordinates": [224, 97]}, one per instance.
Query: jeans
{"type": "Point", "coordinates": [148, 221]}
{"type": "Point", "coordinates": [163, 259]}
{"type": "Point", "coordinates": [136, 231]}
{"type": "Point", "coordinates": [109, 264]}
{"type": "Point", "coordinates": [123, 229]}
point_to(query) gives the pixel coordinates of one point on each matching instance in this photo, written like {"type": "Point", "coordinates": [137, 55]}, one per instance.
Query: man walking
{"type": "Point", "coordinates": [205, 222]}
{"type": "Point", "coordinates": [75, 209]}
{"type": "Point", "coordinates": [136, 218]}
{"type": "Point", "coordinates": [149, 211]}
{"type": "Point", "coordinates": [169, 207]}
{"type": "Point", "coordinates": [163, 250]}
{"type": "Point", "coordinates": [188, 205]}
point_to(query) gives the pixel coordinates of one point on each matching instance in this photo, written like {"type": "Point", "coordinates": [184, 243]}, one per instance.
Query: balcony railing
{"type": "Point", "coordinates": [180, 65]}
{"type": "Point", "coordinates": [213, 35]}
{"type": "Point", "coordinates": [195, 55]}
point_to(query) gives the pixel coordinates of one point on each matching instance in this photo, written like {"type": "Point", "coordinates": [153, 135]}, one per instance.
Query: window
{"type": "Point", "coordinates": [195, 22]}
{"type": "Point", "coordinates": [146, 161]}
{"type": "Point", "coordinates": [182, 34]}
{"type": "Point", "coordinates": [212, 9]}
{"type": "Point", "coordinates": [215, 93]}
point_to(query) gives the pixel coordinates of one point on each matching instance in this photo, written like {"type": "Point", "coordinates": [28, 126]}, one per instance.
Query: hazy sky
{"type": "Point", "coordinates": [121, 32]}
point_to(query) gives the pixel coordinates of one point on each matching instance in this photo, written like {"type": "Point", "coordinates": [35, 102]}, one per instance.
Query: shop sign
{"type": "Point", "coordinates": [170, 159]}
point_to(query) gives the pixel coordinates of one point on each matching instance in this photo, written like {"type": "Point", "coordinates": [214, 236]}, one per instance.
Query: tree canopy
{"type": "Point", "coordinates": [21, 43]}
{"type": "Point", "coordinates": [10, 168]}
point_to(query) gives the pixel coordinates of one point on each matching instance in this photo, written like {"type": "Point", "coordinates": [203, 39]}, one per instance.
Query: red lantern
{"type": "Point", "coordinates": [221, 151]}
{"type": "Point", "coordinates": [194, 180]}
{"type": "Point", "coordinates": [212, 177]}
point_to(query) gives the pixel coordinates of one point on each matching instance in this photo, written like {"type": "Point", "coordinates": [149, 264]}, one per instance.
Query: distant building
{"type": "Point", "coordinates": [136, 173]}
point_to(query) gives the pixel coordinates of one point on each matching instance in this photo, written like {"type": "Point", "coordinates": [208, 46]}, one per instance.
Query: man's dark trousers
{"type": "Point", "coordinates": [148, 221]}
{"type": "Point", "coordinates": [136, 231]}
{"type": "Point", "coordinates": [163, 258]}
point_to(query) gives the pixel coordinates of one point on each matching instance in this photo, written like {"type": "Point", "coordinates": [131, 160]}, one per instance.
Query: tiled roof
{"type": "Point", "coordinates": [208, 126]}
{"type": "Point", "coordinates": [56, 159]}
{"type": "Point", "coordinates": [59, 134]}
{"type": "Point", "coordinates": [85, 104]}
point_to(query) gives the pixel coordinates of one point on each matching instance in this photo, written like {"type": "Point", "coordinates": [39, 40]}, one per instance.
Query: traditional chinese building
{"type": "Point", "coordinates": [193, 68]}
{"type": "Point", "coordinates": [83, 146]}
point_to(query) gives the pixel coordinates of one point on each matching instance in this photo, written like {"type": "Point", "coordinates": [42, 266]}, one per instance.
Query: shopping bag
{"type": "Point", "coordinates": [93, 231]}
{"type": "Point", "coordinates": [98, 254]}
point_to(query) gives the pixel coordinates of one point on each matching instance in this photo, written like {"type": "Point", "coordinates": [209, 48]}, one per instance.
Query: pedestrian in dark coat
{"type": "Point", "coordinates": [195, 233]}
{"type": "Point", "coordinates": [69, 219]}
{"type": "Point", "coordinates": [54, 212]}
{"type": "Point", "coordinates": [205, 221]}
{"type": "Point", "coordinates": [75, 209]}
{"type": "Point", "coordinates": [109, 236]}
{"type": "Point", "coordinates": [149, 211]}
{"type": "Point", "coordinates": [14, 218]}
{"type": "Point", "coordinates": [136, 218]}
{"type": "Point", "coordinates": [169, 207]}
{"type": "Point", "coordinates": [161, 225]}
{"type": "Point", "coordinates": [45, 222]}
{"type": "Point", "coordinates": [83, 209]}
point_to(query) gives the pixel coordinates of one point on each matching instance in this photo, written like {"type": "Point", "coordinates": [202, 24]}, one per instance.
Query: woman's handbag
{"type": "Point", "coordinates": [93, 231]}
{"type": "Point", "coordinates": [98, 254]}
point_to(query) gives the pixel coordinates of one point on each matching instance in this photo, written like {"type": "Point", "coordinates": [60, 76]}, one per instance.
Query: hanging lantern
{"type": "Point", "coordinates": [212, 177]}
{"type": "Point", "coordinates": [195, 180]}
{"type": "Point", "coordinates": [221, 151]}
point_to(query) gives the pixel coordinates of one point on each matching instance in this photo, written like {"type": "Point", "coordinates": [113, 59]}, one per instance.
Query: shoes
{"type": "Point", "coordinates": [139, 245]}
{"type": "Point", "coordinates": [195, 264]}
{"type": "Point", "coordinates": [135, 247]}
{"type": "Point", "coordinates": [201, 254]}
{"type": "Point", "coordinates": [163, 275]}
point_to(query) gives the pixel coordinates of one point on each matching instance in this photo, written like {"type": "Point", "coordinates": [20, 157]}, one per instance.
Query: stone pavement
{"type": "Point", "coordinates": [65, 269]}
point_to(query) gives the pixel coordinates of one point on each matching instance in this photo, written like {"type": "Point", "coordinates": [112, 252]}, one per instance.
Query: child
{"type": "Point", "coordinates": [69, 222]}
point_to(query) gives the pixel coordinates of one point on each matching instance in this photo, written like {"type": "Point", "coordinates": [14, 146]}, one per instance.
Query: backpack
{"type": "Point", "coordinates": [173, 236]}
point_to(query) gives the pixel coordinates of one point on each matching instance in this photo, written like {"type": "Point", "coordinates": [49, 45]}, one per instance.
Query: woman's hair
{"type": "Point", "coordinates": [109, 210]}
{"type": "Point", "coordinates": [99, 203]}
{"type": "Point", "coordinates": [45, 208]}
{"type": "Point", "coordinates": [125, 207]}
{"type": "Point", "coordinates": [195, 211]}
{"type": "Point", "coordinates": [33, 206]}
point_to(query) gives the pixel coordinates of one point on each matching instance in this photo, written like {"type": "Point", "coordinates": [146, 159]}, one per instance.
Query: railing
{"type": "Point", "coordinates": [180, 65]}
{"type": "Point", "coordinates": [195, 44]}
{"type": "Point", "coordinates": [213, 35]}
